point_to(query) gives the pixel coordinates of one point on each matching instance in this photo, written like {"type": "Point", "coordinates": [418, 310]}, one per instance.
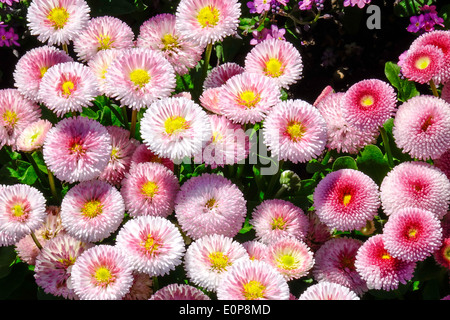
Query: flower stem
{"type": "Point", "coordinates": [433, 88]}
{"type": "Point", "coordinates": [125, 117]}
{"type": "Point", "coordinates": [387, 147]}
{"type": "Point", "coordinates": [133, 123]}
{"type": "Point", "coordinates": [65, 47]}
{"type": "Point", "coordinates": [36, 241]}
{"type": "Point", "coordinates": [51, 180]}
{"type": "Point", "coordinates": [207, 58]}
{"type": "Point", "coordinates": [155, 284]}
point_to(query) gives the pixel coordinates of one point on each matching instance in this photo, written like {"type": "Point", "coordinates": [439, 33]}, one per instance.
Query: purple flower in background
{"type": "Point", "coordinates": [259, 6]}
{"type": "Point", "coordinates": [8, 38]}
{"type": "Point", "coordinates": [416, 23]}
{"type": "Point", "coordinates": [282, 2]}
{"type": "Point", "coordinates": [359, 3]}
{"type": "Point", "coordinates": [9, 2]}
{"type": "Point", "coordinates": [426, 21]}
{"type": "Point", "coordinates": [259, 36]}
{"type": "Point", "coordinates": [305, 4]}
{"type": "Point", "coordinates": [277, 33]}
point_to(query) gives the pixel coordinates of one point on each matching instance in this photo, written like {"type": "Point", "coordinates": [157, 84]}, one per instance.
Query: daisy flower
{"type": "Point", "coordinates": [138, 77]}
{"type": "Point", "coordinates": [175, 128]}
{"type": "Point", "coordinates": [92, 210]}
{"type": "Point", "coordinates": [32, 66]}
{"type": "Point", "coordinates": [248, 97]}
{"type": "Point", "coordinates": [68, 87]}
{"type": "Point", "coordinates": [207, 21]}
{"type": "Point", "coordinates": [346, 199]}
{"type": "Point", "coordinates": [328, 291]}
{"type": "Point", "coordinates": [77, 149]}
{"type": "Point", "coordinates": [33, 136]}
{"type": "Point", "coordinates": [219, 75]}
{"type": "Point", "coordinates": [276, 59]}
{"type": "Point", "coordinates": [160, 33]}
{"type": "Point", "coordinates": [210, 204]}
{"type": "Point", "coordinates": [422, 63]}
{"type": "Point", "coordinates": [318, 232]}
{"type": "Point", "coordinates": [445, 92]}
{"type": "Point", "coordinates": [442, 255]}
{"type": "Point", "coordinates": [294, 130]}
{"type": "Point", "coordinates": [443, 163]}
{"type": "Point", "coordinates": [57, 21]}
{"type": "Point", "coordinates": [252, 280]}
{"type": "Point", "coordinates": [149, 188]}
{"type": "Point", "coordinates": [422, 127]}
{"type": "Point", "coordinates": [102, 273]}
{"type": "Point", "coordinates": [144, 154]}
{"type": "Point", "coordinates": [277, 218]}
{"type": "Point", "coordinates": [209, 100]}
{"type": "Point", "coordinates": [54, 263]}
{"type": "Point", "coordinates": [102, 33]}
{"type": "Point", "coordinates": [152, 245]}
{"type": "Point", "coordinates": [415, 184]}
{"type": "Point", "coordinates": [141, 289]}
{"type": "Point", "coordinates": [256, 250]}
{"type": "Point", "coordinates": [175, 291]}
{"type": "Point", "coordinates": [209, 258]}
{"type": "Point", "coordinates": [100, 63]}
{"type": "Point", "coordinates": [378, 268]}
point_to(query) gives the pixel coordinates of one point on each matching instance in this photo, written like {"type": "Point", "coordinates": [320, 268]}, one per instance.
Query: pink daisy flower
{"type": "Point", "coordinates": [139, 76]}
{"type": "Point", "coordinates": [141, 289]}
{"type": "Point", "coordinates": [102, 33]}
{"type": "Point", "coordinates": [422, 63]}
{"type": "Point", "coordinates": [277, 218]}
{"type": "Point", "coordinates": [252, 280]}
{"type": "Point", "coordinates": [92, 210]}
{"type": "Point", "coordinates": [54, 263]}
{"type": "Point", "coordinates": [175, 291]}
{"type": "Point", "coordinates": [248, 97]}
{"type": "Point", "coordinates": [346, 199]}
{"type": "Point", "coordinates": [207, 21]}
{"type": "Point", "coordinates": [144, 154]}
{"type": "Point", "coordinates": [294, 130]}
{"type": "Point", "coordinates": [100, 63]}
{"type": "Point", "coordinates": [160, 33]}
{"type": "Point", "coordinates": [219, 75]}
{"type": "Point", "coordinates": [318, 232]}
{"type": "Point", "coordinates": [445, 92]}
{"type": "Point", "coordinates": [335, 262]}
{"type": "Point", "coordinates": [33, 136]}
{"type": "Point", "coordinates": [415, 184]}
{"type": "Point", "coordinates": [327, 91]}
{"type": "Point", "coordinates": [442, 255]}
{"type": "Point", "coordinates": [210, 204]}
{"type": "Point", "coordinates": [422, 127]}
{"type": "Point", "coordinates": [328, 291]}
{"type": "Point", "coordinates": [68, 87]}
{"type": "Point", "coordinates": [209, 100]}
{"type": "Point", "coordinates": [368, 104]}
{"type": "Point", "coordinates": [443, 163]}
{"type": "Point", "coordinates": [102, 273]}
{"type": "Point", "coordinates": [256, 250]}
{"type": "Point", "coordinates": [152, 245]}
{"type": "Point", "coordinates": [149, 188]}
{"type": "Point", "coordinates": [32, 66]}
{"type": "Point", "coordinates": [175, 128]}
{"type": "Point", "coordinates": [276, 59]}
{"type": "Point", "coordinates": [57, 21]}
{"type": "Point", "coordinates": [209, 258]}
{"type": "Point", "coordinates": [77, 149]}
{"type": "Point", "coordinates": [378, 268]}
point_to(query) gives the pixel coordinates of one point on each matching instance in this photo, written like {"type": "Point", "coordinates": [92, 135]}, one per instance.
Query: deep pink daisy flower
{"type": "Point", "coordinates": [422, 63]}
{"type": "Point", "coordinates": [100, 63]}
{"type": "Point", "coordinates": [328, 291]}
{"type": "Point", "coordinates": [102, 273]}
{"type": "Point", "coordinates": [256, 250]}
{"type": "Point", "coordinates": [346, 199]}
{"type": "Point", "coordinates": [210, 204]}
{"type": "Point", "coordinates": [442, 255]}
{"type": "Point", "coordinates": [144, 154]}
{"type": "Point", "coordinates": [415, 184]}
{"type": "Point", "coordinates": [149, 188]}
{"type": "Point", "coordinates": [175, 291]}
{"type": "Point", "coordinates": [422, 127]}
{"type": "Point", "coordinates": [102, 33]}
{"type": "Point", "coordinates": [445, 92]}
{"type": "Point", "coordinates": [77, 149]}
{"type": "Point", "coordinates": [368, 104]}
{"type": "Point", "coordinates": [219, 75]}
{"type": "Point", "coordinates": [379, 269]}
{"type": "Point", "coordinates": [412, 234]}
{"type": "Point", "coordinates": [33, 136]}
{"type": "Point", "coordinates": [277, 218]}
{"type": "Point", "coordinates": [335, 262]}
{"type": "Point", "coordinates": [294, 130]}
{"type": "Point", "coordinates": [443, 163]}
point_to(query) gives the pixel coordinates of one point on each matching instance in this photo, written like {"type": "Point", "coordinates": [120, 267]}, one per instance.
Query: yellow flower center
{"type": "Point", "coordinates": [286, 262]}
{"type": "Point", "coordinates": [169, 41]}
{"type": "Point", "coordinates": [104, 42]}
{"type": "Point", "coordinates": [103, 276]}
{"type": "Point", "coordinates": [77, 149]}
{"type": "Point", "coordinates": [346, 199]}
{"type": "Point", "coordinates": [295, 130]}
{"type": "Point", "coordinates": [210, 203]}
{"type": "Point", "coordinates": [67, 262]}
{"type": "Point", "coordinates": [140, 77]}
{"type": "Point", "coordinates": [150, 244]}
{"type": "Point", "coordinates": [248, 99]}
{"type": "Point", "coordinates": [149, 189]}
{"type": "Point", "coordinates": [278, 223]}
{"type": "Point", "coordinates": [274, 68]}
{"type": "Point", "coordinates": [92, 208]}
{"type": "Point", "coordinates": [115, 153]}
{"type": "Point", "coordinates": [412, 233]}
{"type": "Point", "coordinates": [17, 211]}
{"type": "Point", "coordinates": [175, 124]}
{"type": "Point", "coordinates": [385, 256]}
{"type": "Point", "coordinates": [67, 87]}
{"type": "Point", "coordinates": [254, 290]}
{"type": "Point", "coordinates": [43, 70]}
{"type": "Point", "coordinates": [10, 117]}
{"type": "Point", "coordinates": [219, 261]}
{"type": "Point", "coordinates": [208, 16]}
{"type": "Point", "coordinates": [447, 253]}
{"type": "Point", "coordinates": [58, 17]}
{"type": "Point", "coordinates": [217, 136]}
{"type": "Point", "coordinates": [367, 101]}
{"type": "Point", "coordinates": [423, 62]}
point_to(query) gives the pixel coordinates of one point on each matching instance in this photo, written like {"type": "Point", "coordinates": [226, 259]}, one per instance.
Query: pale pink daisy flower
{"type": "Point", "coordinates": [33, 136]}
{"type": "Point", "coordinates": [276, 59]}
{"type": "Point", "coordinates": [68, 87]}
{"type": "Point", "coordinates": [175, 291]}
{"type": "Point", "coordinates": [442, 255]}
{"type": "Point", "coordinates": [141, 289]}
{"type": "Point", "coordinates": [379, 269]}
{"type": "Point", "coordinates": [295, 131]}
{"type": "Point", "coordinates": [160, 33]}
{"type": "Point", "coordinates": [139, 77]}
{"type": "Point", "coordinates": [256, 250]}
{"type": "Point", "coordinates": [328, 90]}
{"type": "Point", "coordinates": [57, 21]}
{"type": "Point", "coordinates": [443, 163]}
{"type": "Point", "coordinates": [219, 75]}
{"type": "Point", "coordinates": [77, 149]}
{"type": "Point", "coordinates": [328, 291]}
{"type": "Point", "coordinates": [253, 280]}
{"type": "Point", "coordinates": [102, 33]}
{"type": "Point", "coordinates": [248, 97]}
{"type": "Point", "coordinates": [7, 240]}
{"type": "Point", "coordinates": [16, 113]}
{"type": "Point", "coordinates": [335, 262]}
{"type": "Point", "coordinates": [422, 127]}
{"type": "Point", "coordinates": [209, 100]}
{"type": "Point", "coordinates": [207, 21]}
{"type": "Point", "coordinates": [277, 218]}
{"type": "Point", "coordinates": [100, 63]}
{"type": "Point", "coordinates": [144, 154]}
{"type": "Point", "coordinates": [149, 188]}
{"type": "Point", "coordinates": [152, 245]}
{"type": "Point", "coordinates": [412, 234]}
{"type": "Point", "coordinates": [54, 263]}
{"type": "Point", "coordinates": [210, 257]}
{"type": "Point", "coordinates": [291, 257]}
{"type": "Point", "coordinates": [369, 103]}
{"type": "Point", "coordinates": [32, 66]}
{"type": "Point", "coordinates": [102, 273]}
{"type": "Point", "coordinates": [22, 210]}
{"type": "Point", "coordinates": [346, 199]}
{"type": "Point", "coordinates": [175, 128]}
{"type": "Point", "coordinates": [92, 210]}
{"type": "Point", "coordinates": [415, 184]}
{"type": "Point", "coordinates": [422, 63]}
{"type": "Point", "coordinates": [210, 204]}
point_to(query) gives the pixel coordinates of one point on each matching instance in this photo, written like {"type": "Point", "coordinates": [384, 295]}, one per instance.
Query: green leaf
{"type": "Point", "coordinates": [406, 89]}
{"type": "Point", "coordinates": [372, 162]}
{"type": "Point", "coordinates": [444, 13]}
{"type": "Point", "coordinates": [344, 162]}
{"type": "Point", "coordinates": [314, 166]}
{"type": "Point", "coordinates": [7, 257]}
